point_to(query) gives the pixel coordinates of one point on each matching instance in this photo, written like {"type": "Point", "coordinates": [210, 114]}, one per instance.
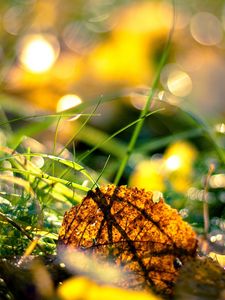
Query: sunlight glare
{"type": "Point", "coordinates": [173, 162]}
{"type": "Point", "coordinates": [179, 83]}
{"type": "Point", "coordinates": [38, 53]}
{"type": "Point", "coordinates": [68, 101]}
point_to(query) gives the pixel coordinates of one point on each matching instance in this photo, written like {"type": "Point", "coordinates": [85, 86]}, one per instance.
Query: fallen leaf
{"type": "Point", "coordinates": [148, 239]}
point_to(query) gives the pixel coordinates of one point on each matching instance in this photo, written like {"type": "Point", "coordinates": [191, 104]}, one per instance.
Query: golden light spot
{"type": "Point", "coordinates": [184, 150]}
{"type": "Point", "coordinates": [173, 162]}
{"type": "Point", "coordinates": [179, 83]}
{"type": "Point", "coordinates": [67, 102]}
{"type": "Point", "coordinates": [38, 53]}
{"type": "Point", "coordinates": [206, 29]}
{"type": "Point", "coordinates": [179, 158]}
{"type": "Point", "coordinates": [62, 265]}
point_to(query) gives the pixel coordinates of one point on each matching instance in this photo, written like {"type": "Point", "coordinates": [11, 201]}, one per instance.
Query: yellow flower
{"type": "Point", "coordinates": [175, 167]}
{"type": "Point", "coordinates": [127, 56]}
{"type": "Point", "coordinates": [179, 158]}
{"type": "Point", "coordinates": [149, 174]}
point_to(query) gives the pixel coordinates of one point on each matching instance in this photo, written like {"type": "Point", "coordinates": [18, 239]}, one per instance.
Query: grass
{"type": "Point", "coordinates": [30, 193]}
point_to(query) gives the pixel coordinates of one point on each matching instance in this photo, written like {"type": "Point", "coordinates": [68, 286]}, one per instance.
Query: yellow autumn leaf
{"type": "Point", "coordinates": [143, 236]}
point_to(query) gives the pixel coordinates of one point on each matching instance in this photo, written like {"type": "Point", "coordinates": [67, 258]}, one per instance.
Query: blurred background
{"type": "Point", "coordinates": [57, 54]}
{"type": "Point", "coordinates": [50, 49]}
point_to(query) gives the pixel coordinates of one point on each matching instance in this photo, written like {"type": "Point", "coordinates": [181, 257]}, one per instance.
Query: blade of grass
{"type": "Point", "coordinates": [4, 117]}
{"type": "Point", "coordinates": [59, 188]}
{"type": "Point", "coordinates": [100, 175]}
{"type": "Point", "coordinates": [18, 181]}
{"type": "Point", "coordinates": [100, 140]}
{"type": "Point", "coordinates": [69, 163]}
{"type": "Point", "coordinates": [109, 138]}
{"type": "Point", "coordinates": [28, 130]}
{"type": "Point", "coordinates": [144, 112]}
{"type": "Point", "coordinates": [164, 141]}
{"type": "Point", "coordinates": [80, 128]}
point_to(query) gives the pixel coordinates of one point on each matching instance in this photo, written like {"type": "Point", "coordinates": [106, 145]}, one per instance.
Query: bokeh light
{"type": "Point", "coordinates": [180, 156]}
{"type": "Point", "coordinates": [217, 181]}
{"type": "Point", "coordinates": [173, 162]}
{"type": "Point", "coordinates": [78, 38]}
{"type": "Point", "coordinates": [179, 83]}
{"type": "Point", "coordinates": [174, 167]}
{"type": "Point", "coordinates": [38, 53]}
{"type": "Point", "coordinates": [206, 29]}
{"type": "Point", "coordinates": [67, 102]}
{"type": "Point", "coordinates": [169, 98]}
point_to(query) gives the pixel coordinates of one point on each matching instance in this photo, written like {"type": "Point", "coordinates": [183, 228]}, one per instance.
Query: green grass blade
{"type": "Point", "coordinates": [143, 113]}
{"type": "Point", "coordinates": [164, 141]}
{"type": "Point", "coordinates": [109, 138]}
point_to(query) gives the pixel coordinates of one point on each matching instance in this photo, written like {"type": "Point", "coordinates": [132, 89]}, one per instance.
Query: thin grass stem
{"type": "Point", "coordinates": [144, 112]}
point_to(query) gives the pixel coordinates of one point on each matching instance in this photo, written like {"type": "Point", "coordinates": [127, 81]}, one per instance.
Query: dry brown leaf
{"type": "Point", "coordinates": [149, 240]}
